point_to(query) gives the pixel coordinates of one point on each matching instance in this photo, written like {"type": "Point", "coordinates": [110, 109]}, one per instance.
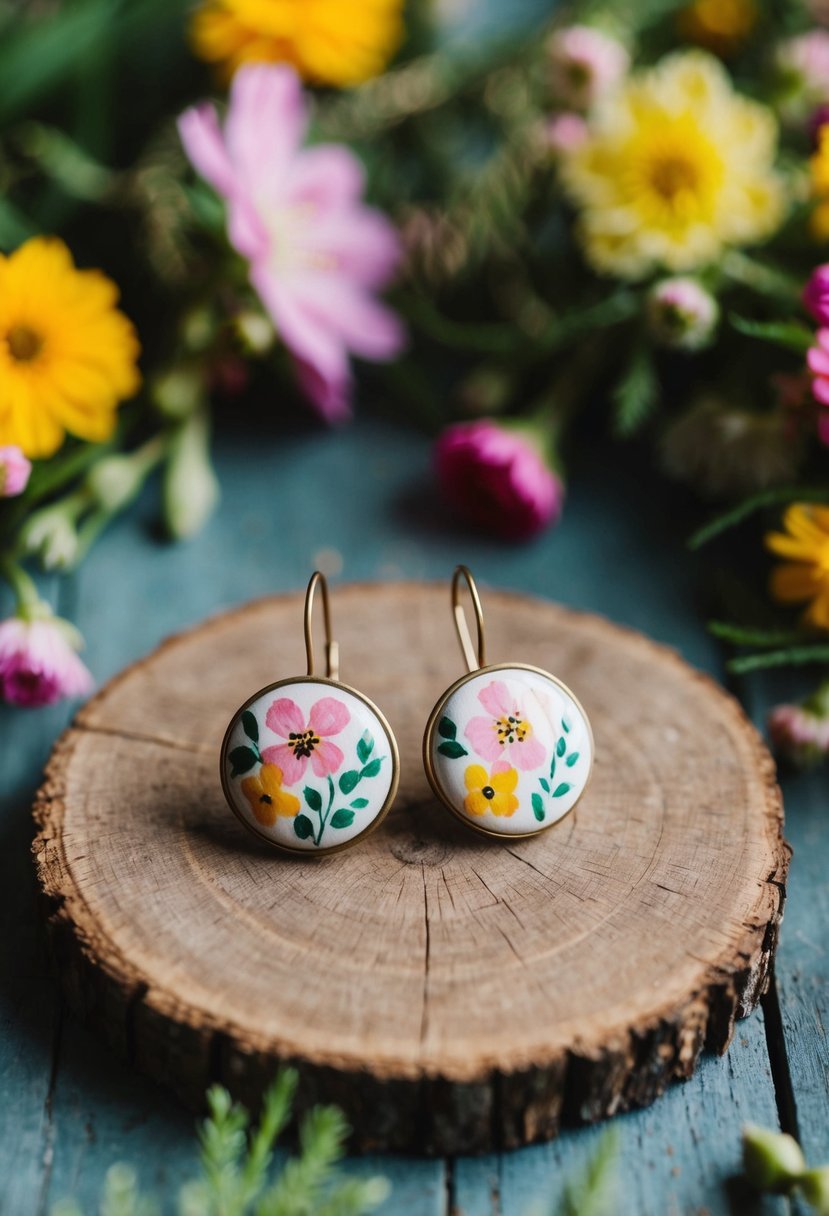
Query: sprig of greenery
{"type": "Point", "coordinates": [593, 1192]}
{"type": "Point", "coordinates": [755, 502]}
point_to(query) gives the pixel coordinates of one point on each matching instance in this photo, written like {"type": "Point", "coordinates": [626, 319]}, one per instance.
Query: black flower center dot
{"type": "Point", "coordinates": [303, 742]}
{"type": "Point", "coordinates": [488, 792]}
{"type": "Point", "coordinates": [266, 798]}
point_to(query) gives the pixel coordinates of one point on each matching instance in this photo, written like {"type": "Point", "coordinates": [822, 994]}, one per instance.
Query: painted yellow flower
{"type": "Point", "coordinates": [266, 796]}
{"type": "Point", "coordinates": [67, 355]}
{"type": "Point", "coordinates": [493, 791]}
{"type": "Point", "coordinates": [676, 167]}
{"type": "Point", "coordinates": [805, 576]}
{"type": "Point", "coordinates": [335, 42]}
{"type": "Point", "coordinates": [819, 168]}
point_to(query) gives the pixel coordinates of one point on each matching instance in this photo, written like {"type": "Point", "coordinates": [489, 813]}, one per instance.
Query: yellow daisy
{"type": "Point", "coordinates": [805, 576]}
{"type": "Point", "coordinates": [676, 167]}
{"type": "Point", "coordinates": [67, 355]}
{"type": "Point", "coordinates": [335, 42]}
{"type": "Point", "coordinates": [493, 791]}
{"type": "Point", "coordinates": [266, 796]}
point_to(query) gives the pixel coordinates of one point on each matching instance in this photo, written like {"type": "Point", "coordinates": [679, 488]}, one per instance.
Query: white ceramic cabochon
{"type": "Point", "coordinates": [556, 749]}
{"type": "Point", "coordinates": [349, 724]}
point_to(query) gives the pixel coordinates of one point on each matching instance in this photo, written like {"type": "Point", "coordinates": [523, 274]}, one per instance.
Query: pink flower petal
{"type": "Point", "coordinates": [304, 335]}
{"type": "Point", "coordinates": [366, 326]}
{"type": "Point", "coordinates": [528, 755]}
{"type": "Point", "coordinates": [329, 716]}
{"type": "Point", "coordinates": [817, 360]}
{"type": "Point", "coordinates": [265, 125]}
{"type": "Point", "coordinates": [199, 131]}
{"type": "Point", "coordinates": [284, 717]}
{"type": "Point", "coordinates": [823, 428]}
{"type": "Point", "coordinates": [365, 246]}
{"type": "Point", "coordinates": [496, 699]}
{"type": "Point", "coordinates": [330, 395]}
{"type": "Point", "coordinates": [293, 767]}
{"type": "Point", "coordinates": [483, 736]}
{"type": "Point", "coordinates": [326, 758]}
{"type": "Point", "coordinates": [501, 766]}
{"type": "Point", "coordinates": [326, 177]}
{"type": "Point", "coordinates": [820, 391]}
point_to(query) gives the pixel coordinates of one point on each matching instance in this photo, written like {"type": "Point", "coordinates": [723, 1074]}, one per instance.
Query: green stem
{"type": "Point", "coordinates": [324, 816]}
{"type": "Point", "coordinates": [765, 280]}
{"type": "Point", "coordinates": [22, 584]}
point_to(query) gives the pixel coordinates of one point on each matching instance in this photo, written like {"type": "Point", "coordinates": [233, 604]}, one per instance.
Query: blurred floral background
{"type": "Point", "coordinates": [614, 224]}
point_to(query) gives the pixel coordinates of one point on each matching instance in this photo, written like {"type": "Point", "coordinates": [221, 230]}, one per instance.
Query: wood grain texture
{"type": "Point", "coordinates": [450, 993]}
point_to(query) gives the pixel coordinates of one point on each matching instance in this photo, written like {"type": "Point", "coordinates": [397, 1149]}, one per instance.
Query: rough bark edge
{"type": "Point", "coordinates": [436, 1113]}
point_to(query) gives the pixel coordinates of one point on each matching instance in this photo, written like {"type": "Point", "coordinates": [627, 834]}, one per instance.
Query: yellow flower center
{"type": "Point", "coordinates": [24, 343]}
{"type": "Point", "coordinates": [512, 729]}
{"type": "Point", "coordinates": [672, 173]}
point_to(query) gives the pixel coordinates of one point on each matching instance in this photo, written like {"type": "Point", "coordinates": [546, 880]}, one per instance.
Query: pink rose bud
{"type": "Point", "coordinates": [564, 133]}
{"type": "Point", "coordinates": [38, 663]}
{"type": "Point", "coordinates": [586, 64]}
{"type": "Point", "coordinates": [14, 471]}
{"type": "Point", "coordinates": [800, 733]}
{"type": "Point", "coordinates": [496, 478]}
{"type": "Point", "coordinates": [681, 313]}
{"type": "Point", "coordinates": [803, 66]}
{"type": "Point", "coordinates": [816, 294]}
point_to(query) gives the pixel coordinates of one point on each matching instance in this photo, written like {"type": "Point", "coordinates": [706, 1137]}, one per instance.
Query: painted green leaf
{"type": "Point", "coordinates": [447, 728]}
{"type": "Point", "coordinates": [544, 783]}
{"type": "Point", "coordinates": [250, 726]}
{"type": "Point", "coordinates": [553, 767]}
{"type": "Point", "coordinates": [359, 803]}
{"type": "Point", "coordinates": [452, 749]}
{"type": "Point", "coordinates": [303, 826]}
{"type": "Point", "coordinates": [538, 807]}
{"type": "Point", "coordinates": [365, 747]}
{"type": "Point", "coordinates": [561, 747]}
{"type": "Point", "coordinates": [565, 726]}
{"type": "Point", "coordinates": [342, 818]}
{"type": "Point", "coordinates": [561, 789]}
{"type": "Point", "coordinates": [371, 769]}
{"type": "Point", "coordinates": [571, 759]}
{"type": "Point", "coordinates": [348, 780]}
{"type": "Point", "coordinates": [242, 759]}
{"type": "Point", "coordinates": [313, 798]}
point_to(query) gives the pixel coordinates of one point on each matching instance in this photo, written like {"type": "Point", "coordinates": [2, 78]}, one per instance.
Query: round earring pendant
{"type": "Point", "coordinates": [309, 765]}
{"type": "Point", "coordinates": [508, 749]}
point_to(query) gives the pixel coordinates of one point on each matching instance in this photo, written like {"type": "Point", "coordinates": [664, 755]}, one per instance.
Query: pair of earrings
{"type": "Point", "coordinates": [310, 765]}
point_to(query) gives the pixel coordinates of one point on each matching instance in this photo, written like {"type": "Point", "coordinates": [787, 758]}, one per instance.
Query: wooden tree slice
{"type": "Point", "coordinates": [452, 993]}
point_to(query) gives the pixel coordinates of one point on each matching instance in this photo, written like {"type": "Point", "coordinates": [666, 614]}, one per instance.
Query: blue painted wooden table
{"type": "Point", "coordinates": [363, 499]}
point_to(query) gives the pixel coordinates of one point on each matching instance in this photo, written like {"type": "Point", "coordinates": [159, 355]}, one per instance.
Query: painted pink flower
{"type": "Point", "coordinates": [38, 663]}
{"type": "Point", "coordinates": [317, 254]}
{"type": "Point", "coordinates": [816, 294]}
{"type": "Point", "coordinates": [505, 733]}
{"type": "Point", "coordinates": [14, 471]}
{"type": "Point", "coordinates": [306, 741]}
{"type": "Point", "coordinates": [497, 479]}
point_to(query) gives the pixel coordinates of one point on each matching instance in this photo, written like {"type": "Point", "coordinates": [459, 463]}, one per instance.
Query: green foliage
{"type": "Point", "coordinates": [789, 334]}
{"type": "Point", "coordinates": [236, 1175]}
{"type": "Point", "coordinates": [593, 1192]}
{"type": "Point", "coordinates": [636, 396]}
{"type": "Point", "coordinates": [755, 502]}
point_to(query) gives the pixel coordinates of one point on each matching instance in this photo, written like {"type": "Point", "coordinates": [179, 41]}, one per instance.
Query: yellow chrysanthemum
{"type": "Point", "coordinates": [805, 576]}
{"type": "Point", "coordinates": [675, 168]}
{"type": "Point", "coordinates": [335, 42]}
{"type": "Point", "coordinates": [819, 167]}
{"type": "Point", "coordinates": [67, 355]}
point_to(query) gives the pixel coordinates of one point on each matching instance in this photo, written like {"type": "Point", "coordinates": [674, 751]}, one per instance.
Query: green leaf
{"type": "Point", "coordinates": [594, 1192]}
{"type": "Point", "coordinates": [447, 728]}
{"type": "Point", "coordinates": [741, 635]}
{"type": "Point", "coordinates": [348, 780]}
{"type": "Point", "coordinates": [365, 746]}
{"type": "Point", "coordinates": [372, 768]}
{"type": "Point", "coordinates": [538, 807]}
{"type": "Point", "coordinates": [565, 726]}
{"type": "Point", "coordinates": [794, 656]}
{"type": "Point", "coordinates": [561, 789]}
{"type": "Point", "coordinates": [544, 783]}
{"type": "Point", "coordinates": [359, 803]}
{"type": "Point", "coordinates": [342, 818]}
{"type": "Point", "coordinates": [756, 502]}
{"type": "Point", "coordinates": [553, 767]}
{"type": "Point", "coordinates": [242, 760]}
{"type": "Point", "coordinates": [571, 759]}
{"type": "Point", "coordinates": [452, 749]}
{"type": "Point", "coordinates": [303, 827]}
{"type": "Point", "coordinates": [636, 395]}
{"type": "Point", "coordinates": [561, 748]}
{"type": "Point", "coordinates": [250, 726]}
{"type": "Point", "coordinates": [313, 798]}
{"type": "Point", "coordinates": [789, 334]}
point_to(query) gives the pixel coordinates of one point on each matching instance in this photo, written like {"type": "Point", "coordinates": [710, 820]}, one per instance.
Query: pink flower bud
{"type": "Point", "coordinates": [38, 663]}
{"type": "Point", "coordinates": [816, 294]}
{"type": "Point", "coordinates": [586, 64]}
{"type": "Point", "coordinates": [14, 471]}
{"type": "Point", "coordinates": [564, 133]}
{"type": "Point", "coordinates": [497, 479]}
{"type": "Point", "coordinates": [817, 360]}
{"type": "Point", "coordinates": [681, 313]}
{"type": "Point", "coordinates": [800, 733]}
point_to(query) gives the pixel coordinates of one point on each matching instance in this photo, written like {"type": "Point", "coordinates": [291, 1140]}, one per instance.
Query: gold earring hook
{"type": "Point", "coordinates": [464, 636]}
{"type": "Point", "coordinates": [332, 650]}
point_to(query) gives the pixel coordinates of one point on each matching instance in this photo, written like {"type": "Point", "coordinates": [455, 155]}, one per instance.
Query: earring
{"type": "Point", "coordinates": [507, 748]}
{"type": "Point", "coordinates": [308, 764]}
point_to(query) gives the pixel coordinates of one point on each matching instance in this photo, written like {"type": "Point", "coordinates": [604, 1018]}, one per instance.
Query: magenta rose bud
{"type": "Point", "coordinates": [816, 294]}
{"type": "Point", "coordinates": [497, 479]}
{"type": "Point", "coordinates": [14, 471]}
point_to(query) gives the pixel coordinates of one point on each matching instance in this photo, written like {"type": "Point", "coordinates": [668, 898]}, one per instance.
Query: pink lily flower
{"type": "Point", "coordinates": [505, 734]}
{"type": "Point", "coordinates": [305, 741]}
{"type": "Point", "coordinates": [317, 254]}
